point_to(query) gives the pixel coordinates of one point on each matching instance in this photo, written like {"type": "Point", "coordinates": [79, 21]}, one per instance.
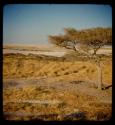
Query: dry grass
{"type": "Point", "coordinates": [79, 105]}
{"type": "Point", "coordinates": [69, 103]}
{"type": "Point", "coordinates": [18, 66]}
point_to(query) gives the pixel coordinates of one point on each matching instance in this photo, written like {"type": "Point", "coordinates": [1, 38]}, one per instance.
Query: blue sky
{"type": "Point", "coordinates": [32, 23]}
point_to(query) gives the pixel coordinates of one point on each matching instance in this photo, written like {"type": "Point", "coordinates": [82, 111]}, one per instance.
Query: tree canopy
{"type": "Point", "coordinates": [83, 41]}
{"type": "Point", "coordinates": [93, 38]}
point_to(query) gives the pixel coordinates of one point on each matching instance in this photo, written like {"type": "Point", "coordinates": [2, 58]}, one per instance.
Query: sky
{"type": "Point", "coordinates": [33, 23]}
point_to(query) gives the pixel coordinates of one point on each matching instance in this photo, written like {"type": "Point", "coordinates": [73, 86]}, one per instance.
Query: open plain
{"type": "Point", "coordinates": [49, 87]}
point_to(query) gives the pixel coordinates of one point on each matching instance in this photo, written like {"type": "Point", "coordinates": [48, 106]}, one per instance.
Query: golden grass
{"type": "Point", "coordinates": [20, 66]}
{"type": "Point", "coordinates": [69, 103]}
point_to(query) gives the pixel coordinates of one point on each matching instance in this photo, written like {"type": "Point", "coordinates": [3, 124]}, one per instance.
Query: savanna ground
{"type": "Point", "coordinates": [38, 87]}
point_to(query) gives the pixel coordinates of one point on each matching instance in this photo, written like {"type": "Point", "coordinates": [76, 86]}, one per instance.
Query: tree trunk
{"type": "Point", "coordinates": [74, 48]}
{"type": "Point", "coordinates": [99, 82]}
{"type": "Point", "coordinates": [94, 52]}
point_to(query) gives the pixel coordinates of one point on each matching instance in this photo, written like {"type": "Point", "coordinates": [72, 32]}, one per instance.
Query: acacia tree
{"type": "Point", "coordinates": [83, 41]}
